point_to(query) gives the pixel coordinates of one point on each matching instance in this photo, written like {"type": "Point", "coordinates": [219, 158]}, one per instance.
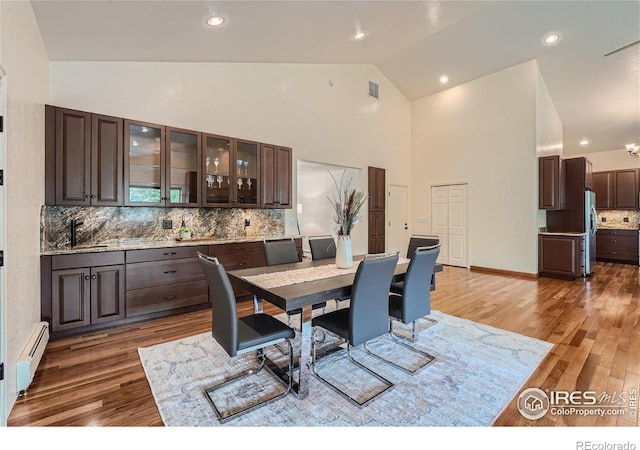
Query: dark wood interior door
{"type": "Point", "coordinates": [377, 208]}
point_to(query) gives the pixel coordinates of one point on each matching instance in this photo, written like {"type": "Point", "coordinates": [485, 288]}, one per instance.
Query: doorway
{"type": "Point", "coordinates": [377, 210]}
{"type": "Point", "coordinates": [449, 220]}
{"type": "Point", "coordinates": [398, 223]}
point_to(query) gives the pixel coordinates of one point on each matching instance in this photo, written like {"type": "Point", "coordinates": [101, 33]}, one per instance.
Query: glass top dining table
{"type": "Point", "coordinates": [300, 286]}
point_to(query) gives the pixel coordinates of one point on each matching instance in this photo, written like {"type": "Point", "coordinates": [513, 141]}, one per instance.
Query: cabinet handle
{"type": "Point", "coordinates": [86, 277]}
{"type": "Point", "coordinates": [93, 196]}
{"type": "Point", "coordinates": [86, 196]}
{"type": "Point", "coordinates": [169, 253]}
{"type": "Point", "coordinates": [240, 264]}
{"type": "Point", "coordinates": [169, 297]}
{"type": "Point", "coordinates": [93, 277]}
{"type": "Point", "coordinates": [170, 271]}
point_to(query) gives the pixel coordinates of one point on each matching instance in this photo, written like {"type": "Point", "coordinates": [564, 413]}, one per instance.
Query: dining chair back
{"type": "Point", "coordinates": [281, 252]}
{"type": "Point", "coordinates": [420, 240]}
{"type": "Point", "coordinates": [322, 247]}
{"type": "Point", "coordinates": [416, 292]}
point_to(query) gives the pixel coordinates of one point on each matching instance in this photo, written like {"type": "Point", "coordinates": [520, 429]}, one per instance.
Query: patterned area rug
{"type": "Point", "coordinates": [478, 369]}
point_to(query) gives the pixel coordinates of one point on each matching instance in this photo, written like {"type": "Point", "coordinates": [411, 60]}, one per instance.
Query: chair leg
{"type": "Point", "coordinates": [414, 329]}
{"type": "Point", "coordinates": [224, 418]}
{"type": "Point", "coordinates": [389, 385]}
{"type": "Point", "coordinates": [395, 339]}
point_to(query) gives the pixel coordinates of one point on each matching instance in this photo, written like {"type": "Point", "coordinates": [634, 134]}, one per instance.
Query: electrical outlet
{"type": "Point", "coordinates": [167, 224]}
{"type": "Point", "coordinates": [626, 219]}
{"type": "Point", "coordinates": [289, 222]}
{"type": "Point", "coordinates": [422, 220]}
{"type": "Point", "coordinates": [604, 219]}
{"type": "Point", "coordinates": [247, 222]}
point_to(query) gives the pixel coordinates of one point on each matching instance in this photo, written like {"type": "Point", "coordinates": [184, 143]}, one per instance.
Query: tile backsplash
{"type": "Point", "coordinates": [111, 223]}
{"type": "Point", "coordinates": [616, 218]}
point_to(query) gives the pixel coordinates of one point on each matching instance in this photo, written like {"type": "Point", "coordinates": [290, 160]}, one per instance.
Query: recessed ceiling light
{"type": "Point", "coordinates": [551, 38]}
{"type": "Point", "coordinates": [444, 79]}
{"type": "Point", "coordinates": [215, 21]}
{"type": "Point", "coordinates": [584, 142]}
{"type": "Point", "coordinates": [359, 35]}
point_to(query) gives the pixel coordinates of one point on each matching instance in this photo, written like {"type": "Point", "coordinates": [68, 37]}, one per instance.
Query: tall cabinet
{"type": "Point", "coordinates": [276, 177]}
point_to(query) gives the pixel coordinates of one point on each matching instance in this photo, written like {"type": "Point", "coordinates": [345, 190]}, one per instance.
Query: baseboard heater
{"type": "Point", "coordinates": [31, 356]}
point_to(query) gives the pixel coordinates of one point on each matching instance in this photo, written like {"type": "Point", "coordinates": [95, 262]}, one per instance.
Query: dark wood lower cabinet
{"type": "Point", "coordinates": [90, 291]}
{"type": "Point", "coordinates": [86, 296]}
{"type": "Point", "coordinates": [561, 256]}
{"type": "Point", "coordinates": [617, 246]}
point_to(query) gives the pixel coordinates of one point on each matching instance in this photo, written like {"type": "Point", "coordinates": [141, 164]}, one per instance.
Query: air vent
{"type": "Point", "coordinates": [373, 89]}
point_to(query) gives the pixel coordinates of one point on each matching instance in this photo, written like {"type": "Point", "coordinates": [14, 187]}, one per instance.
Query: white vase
{"type": "Point", "coordinates": [344, 255]}
{"type": "Point", "coordinates": [185, 235]}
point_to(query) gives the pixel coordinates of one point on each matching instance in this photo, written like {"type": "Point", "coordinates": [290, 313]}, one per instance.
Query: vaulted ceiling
{"type": "Point", "coordinates": [412, 42]}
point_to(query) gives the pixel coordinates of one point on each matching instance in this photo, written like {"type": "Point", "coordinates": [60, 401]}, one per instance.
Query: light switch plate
{"type": "Point", "coordinates": [289, 222]}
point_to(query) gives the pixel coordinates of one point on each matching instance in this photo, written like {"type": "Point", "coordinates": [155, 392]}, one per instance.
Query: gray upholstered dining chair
{"type": "Point", "coordinates": [324, 247]}
{"type": "Point", "coordinates": [284, 251]}
{"type": "Point", "coordinates": [415, 301]}
{"type": "Point", "coordinates": [241, 335]}
{"type": "Point", "coordinates": [366, 318]}
{"type": "Point", "coordinates": [417, 240]}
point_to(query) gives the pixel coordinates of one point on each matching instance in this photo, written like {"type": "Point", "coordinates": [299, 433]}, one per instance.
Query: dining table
{"type": "Point", "coordinates": [299, 286]}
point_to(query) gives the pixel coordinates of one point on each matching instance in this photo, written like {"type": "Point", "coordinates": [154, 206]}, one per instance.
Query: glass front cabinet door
{"type": "Point", "coordinates": [144, 164]}
{"type": "Point", "coordinates": [218, 179]}
{"type": "Point", "coordinates": [182, 171]}
{"type": "Point", "coordinates": [247, 170]}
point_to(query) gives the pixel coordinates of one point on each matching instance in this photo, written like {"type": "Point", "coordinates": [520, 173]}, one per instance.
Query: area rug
{"type": "Point", "coordinates": [477, 370]}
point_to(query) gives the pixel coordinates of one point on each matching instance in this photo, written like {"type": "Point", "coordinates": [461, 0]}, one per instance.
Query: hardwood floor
{"type": "Point", "coordinates": [97, 380]}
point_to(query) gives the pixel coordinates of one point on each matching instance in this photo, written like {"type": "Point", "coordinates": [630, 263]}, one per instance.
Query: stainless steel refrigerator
{"type": "Point", "coordinates": [590, 228]}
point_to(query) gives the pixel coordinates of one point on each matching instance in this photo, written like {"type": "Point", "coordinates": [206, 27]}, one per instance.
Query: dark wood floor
{"type": "Point", "coordinates": [97, 380]}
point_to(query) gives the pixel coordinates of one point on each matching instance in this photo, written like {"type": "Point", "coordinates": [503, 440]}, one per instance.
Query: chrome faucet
{"type": "Point", "coordinates": [74, 226]}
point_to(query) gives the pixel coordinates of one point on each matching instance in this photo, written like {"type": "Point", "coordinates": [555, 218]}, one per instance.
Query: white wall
{"type": "Point", "coordinates": [24, 59]}
{"type": "Point", "coordinates": [611, 160]}
{"type": "Point", "coordinates": [484, 133]}
{"type": "Point", "coordinates": [285, 104]}
{"type": "Point", "coordinates": [548, 130]}
{"type": "Point", "coordinates": [316, 183]}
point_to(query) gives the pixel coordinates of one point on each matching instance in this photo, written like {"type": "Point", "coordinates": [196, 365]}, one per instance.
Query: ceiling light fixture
{"type": "Point", "coordinates": [634, 150]}
{"type": "Point", "coordinates": [359, 35]}
{"type": "Point", "coordinates": [551, 38]}
{"type": "Point", "coordinates": [215, 21]}
{"type": "Point", "coordinates": [584, 142]}
{"type": "Point", "coordinates": [444, 79]}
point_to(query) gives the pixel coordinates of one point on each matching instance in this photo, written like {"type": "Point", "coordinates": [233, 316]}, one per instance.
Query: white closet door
{"type": "Point", "coordinates": [440, 220]}
{"type": "Point", "coordinates": [450, 223]}
{"type": "Point", "coordinates": [458, 225]}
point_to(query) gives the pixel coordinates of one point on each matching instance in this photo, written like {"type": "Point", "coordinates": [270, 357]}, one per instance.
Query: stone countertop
{"type": "Point", "coordinates": [621, 227]}
{"type": "Point", "coordinates": [142, 244]}
{"type": "Point", "coordinates": [559, 233]}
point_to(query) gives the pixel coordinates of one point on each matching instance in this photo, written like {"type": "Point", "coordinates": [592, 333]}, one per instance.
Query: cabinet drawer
{"type": "Point", "coordinates": [159, 254]}
{"type": "Point", "coordinates": [163, 298]}
{"type": "Point", "coordinates": [620, 242]}
{"type": "Point", "coordinates": [97, 259]}
{"type": "Point", "coordinates": [237, 247]}
{"type": "Point", "coordinates": [162, 273]}
{"type": "Point", "coordinates": [607, 233]}
{"type": "Point", "coordinates": [242, 261]}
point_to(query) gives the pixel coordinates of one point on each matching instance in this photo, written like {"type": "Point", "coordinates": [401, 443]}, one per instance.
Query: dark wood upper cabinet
{"type": "Point", "coordinates": [106, 160]}
{"type": "Point", "coordinates": [276, 183]}
{"type": "Point", "coordinates": [83, 163]}
{"type": "Point", "coordinates": [625, 184]}
{"type": "Point", "coordinates": [603, 188]}
{"type": "Point", "coordinates": [97, 160]}
{"type": "Point", "coordinates": [617, 189]}
{"type": "Point", "coordinates": [73, 157]}
{"type": "Point", "coordinates": [551, 183]}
